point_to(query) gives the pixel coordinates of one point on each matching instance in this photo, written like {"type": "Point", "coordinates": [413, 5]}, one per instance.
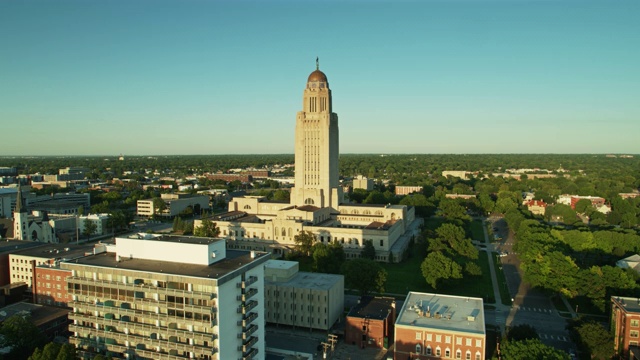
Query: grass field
{"type": "Point", "coordinates": [407, 276]}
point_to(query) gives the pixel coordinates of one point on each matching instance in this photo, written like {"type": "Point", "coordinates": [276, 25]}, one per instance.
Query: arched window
{"type": "Point", "coordinates": [248, 207]}
{"type": "Point", "coordinates": [290, 232]}
{"type": "Point", "coordinates": [477, 355]}
{"type": "Point", "coordinates": [275, 231]}
{"type": "Point", "coordinates": [447, 353]}
{"type": "Point", "coordinates": [284, 232]}
{"type": "Point", "coordinates": [354, 211]}
{"type": "Point", "coordinates": [468, 355]}
{"type": "Point", "coordinates": [393, 216]}
{"type": "Point", "coordinates": [438, 351]}
{"type": "Point", "coordinates": [428, 349]}
{"type": "Point", "coordinates": [379, 212]}
{"type": "Point", "coordinates": [458, 354]}
{"type": "Point", "coordinates": [366, 212]}
{"type": "Point", "coordinates": [356, 241]}
{"type": "Point", "coordinates": [418, 348]}
{"type": "Point", "coordinates": [309, 201]}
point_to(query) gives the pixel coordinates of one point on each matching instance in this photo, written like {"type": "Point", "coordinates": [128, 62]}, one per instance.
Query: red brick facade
{"type": "Point", "coordinates": [625, 321]}
{"type": "Point", "coordinates": [420, 343]}
{"type": "Point", "coordinates": [370, 323]}
{"type": "Point", "coordinates": [50, 286]}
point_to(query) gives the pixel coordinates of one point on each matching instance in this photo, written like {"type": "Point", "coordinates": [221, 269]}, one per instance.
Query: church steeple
{"type": "Point", "coordinates": [20, 208]}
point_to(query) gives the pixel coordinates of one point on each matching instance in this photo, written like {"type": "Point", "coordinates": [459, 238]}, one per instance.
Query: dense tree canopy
{"type": "Point", "coordinates": [364, 275]}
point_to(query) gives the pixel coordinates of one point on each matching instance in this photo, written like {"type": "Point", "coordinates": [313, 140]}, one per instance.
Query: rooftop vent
{"type": "Point", "coordinates": [471, 318]}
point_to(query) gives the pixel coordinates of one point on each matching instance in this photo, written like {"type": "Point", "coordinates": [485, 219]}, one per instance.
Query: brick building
{"type": "Point", "coordinates": [370, 322]}
{"type": "Point", "coordinates": [441, 326]}
{"type": "Point", "coordinates": [625, 322]}
{"type": "Point", "coordinates": [50, 286]}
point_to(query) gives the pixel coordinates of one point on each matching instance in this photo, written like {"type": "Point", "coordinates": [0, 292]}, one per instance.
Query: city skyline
{"type": "Point", "coordinates": [169, 78]}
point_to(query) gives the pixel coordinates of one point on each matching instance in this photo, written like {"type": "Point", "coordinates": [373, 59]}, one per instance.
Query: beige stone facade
{"type": "Point", "coordinates": [317, 201]}
{"type": "Point", "coordinates": [302, 299]}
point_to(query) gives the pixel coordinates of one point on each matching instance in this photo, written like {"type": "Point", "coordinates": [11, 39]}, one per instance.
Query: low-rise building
{"type": "Point", "coordinates": [361, 182]}
{"type": "Point", "coordinates": [625, 322]}
{"type": "Point", "coordinates": [440, 326]}
{"type": "Point", "coordinates": [50, 320]}
{"type": "Point", "coordinates": [537, 207]}
{"type": "Point", "coordinates": [175, 204]}
{"type": "Point", "coordinates": [22, 263]}
{"type": "Point", "coordinates": [370, 323]}
{"type": "Point", "coordinates": [406, 190]}
{"type": "Point", "coordinates": [302, 299]}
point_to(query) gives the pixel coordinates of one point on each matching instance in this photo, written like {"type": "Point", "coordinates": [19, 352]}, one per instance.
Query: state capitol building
{"type": "Point", "coordinates": [317, 201]}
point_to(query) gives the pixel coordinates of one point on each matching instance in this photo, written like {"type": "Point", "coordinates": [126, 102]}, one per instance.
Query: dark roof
{"type": "Point", "coordinates": [6, 228]}
{"type": "Point", "coordinates": [56, 251]}
{"type": "Point", "coordinates": [14, 245]}
{"type": "Point", "coordinates": [371, 307]}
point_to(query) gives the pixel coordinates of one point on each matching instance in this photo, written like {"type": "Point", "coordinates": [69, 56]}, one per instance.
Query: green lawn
{"type": "Point", "coordinates": [407, 276]}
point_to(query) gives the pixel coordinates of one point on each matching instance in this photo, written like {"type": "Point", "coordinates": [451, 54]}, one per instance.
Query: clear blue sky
{"type": "Point", "coordinates": [226, 77]}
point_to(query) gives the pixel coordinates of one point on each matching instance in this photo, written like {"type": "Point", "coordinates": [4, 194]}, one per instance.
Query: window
{"type": "Point", "coordinates": [429, 337]}
{"type": "Point", "coordinates": [633, 333]}
{"type": "Point", "coordinates": [438, 352]}
{"type": "Point", "coordinates": [477, 355]}
{"type": "Point", "coordinates": [468, 356]}
{"type": "Point", "coordinates": [458, 341]}
{"type": "Point", "coordinates": [428, 350]}
{"type": "Point", "coordinates": [478, 343]}
{"type": "Point", "coordinates": [635, 322]}
{"type": "Point", "coordinates": [381, 243]}
{"type": "Point", "coordinates": [447, 353]}
{"type": "Point", "coordinates": [438, 339]}
{"type": "Point", "coordinates": [418, 336]}
{"type": "Point", "coordinates": [468, 342]}
{"type": "Point", "coordinates": [458, 354]}
{"type": "Point", "coordinates": [418, 349]}
{"type": "Point", "coordinates": [447, 339]}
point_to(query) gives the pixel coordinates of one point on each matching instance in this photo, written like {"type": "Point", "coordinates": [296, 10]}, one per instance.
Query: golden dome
{"type": "Point", "coordinates": [317, 76]}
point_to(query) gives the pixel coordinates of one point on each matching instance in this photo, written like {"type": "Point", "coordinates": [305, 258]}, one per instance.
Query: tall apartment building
{"type": "Point", "coordinates": [440, 326]}
{"type": "Point", "coordinates": [168, 297]}
{"type": "Point", "coordinates": [302, 299]}
{"type": "Point", "coordinates": [625, 322]}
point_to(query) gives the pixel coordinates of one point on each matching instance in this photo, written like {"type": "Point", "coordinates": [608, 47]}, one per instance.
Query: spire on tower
{"type": "Point", "coordinates": [317, 63]}
{"type": "Point", "coordinates": [20, 208]}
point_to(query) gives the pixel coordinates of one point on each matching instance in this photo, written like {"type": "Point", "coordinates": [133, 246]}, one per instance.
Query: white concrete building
{"type": "Point", "coordinates": [175, 204]}
{"type": "Point", "coordinates": [100, 220]}
{"type": "Point", "coordinates": [169, 297]}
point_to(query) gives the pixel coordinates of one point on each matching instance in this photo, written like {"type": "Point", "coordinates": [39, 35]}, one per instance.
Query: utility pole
{"type": "Point", "coordinates": [325, 346]}
{"type": "Point", "coordinates": [333, 339]}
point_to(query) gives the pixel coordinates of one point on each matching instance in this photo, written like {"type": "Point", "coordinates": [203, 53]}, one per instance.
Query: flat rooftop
{"type": "Point", "coordinates": [307, 280]}
{"type": "Point", "coordinates": [174, 238]}
{"type": "Point", "coordinates": [443, 312]}
{"type": "Point", "coordinates": [234, 260]}
{"type": "Point", "coordinates": [11, 245]}
{"type": "Point", "coordinates": [40, 314]}
{"type": "Point", "coordinates": [630, 304]}
{"type": "Point", "coordinates": [370, 307]}
{"type": "Point", "coordinates": [55, 251]}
